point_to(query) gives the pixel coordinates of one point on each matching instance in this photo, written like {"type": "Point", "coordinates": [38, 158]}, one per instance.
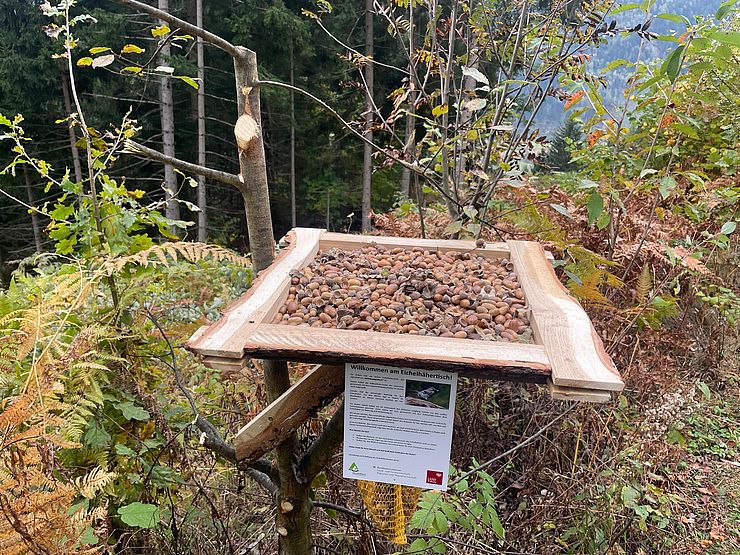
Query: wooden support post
{"type": "Point", "coordinates": [286, 413]}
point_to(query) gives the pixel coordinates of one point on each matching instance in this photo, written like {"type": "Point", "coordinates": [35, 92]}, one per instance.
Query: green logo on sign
{"type": "Point", "coordinates": [354, 468]}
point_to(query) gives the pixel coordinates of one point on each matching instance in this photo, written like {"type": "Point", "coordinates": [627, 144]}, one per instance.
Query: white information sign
{"type": "Point", "coordinates": [398, 425]}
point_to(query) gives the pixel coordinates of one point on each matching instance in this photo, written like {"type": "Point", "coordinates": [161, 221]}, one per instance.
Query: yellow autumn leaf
{"type": "Point", "coordinates": [131, 69]}
{"type": "Point", "coordinates": [82, 62]}
{"type": "Point", "coordinates": [441, 109]}
{"type": "Point", "coordinates": [132, 49]}
{"type": "Point", "coordinates": [161, 30]}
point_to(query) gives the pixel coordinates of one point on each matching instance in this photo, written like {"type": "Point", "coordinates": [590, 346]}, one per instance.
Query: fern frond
{"type": "Point", "coordinates": [644, 284]}
{"type": "Point", "coordinates": [161, 255]}
{"type": "Point", "coordinates": [16, 410]}
{"type": "Point", "coordinates": [93, 482]}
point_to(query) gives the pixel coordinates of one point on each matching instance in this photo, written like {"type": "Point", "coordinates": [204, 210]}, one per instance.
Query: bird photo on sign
{"type": "Point", "coordinates": [433, 395]}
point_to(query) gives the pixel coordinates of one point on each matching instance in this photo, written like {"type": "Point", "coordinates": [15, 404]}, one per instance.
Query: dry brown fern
{"type": "Point", "coordinates": [37, 422]}
{"type": "Point", "coordinates": [35, 502]}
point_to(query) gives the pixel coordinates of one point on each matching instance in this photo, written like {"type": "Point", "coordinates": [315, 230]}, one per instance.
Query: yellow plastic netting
{"type": "Point", "coordinates": [391, 507]}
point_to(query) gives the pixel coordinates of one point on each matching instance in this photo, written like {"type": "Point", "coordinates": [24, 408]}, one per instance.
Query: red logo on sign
{"type": "Point", "coordinates": [434, 477]}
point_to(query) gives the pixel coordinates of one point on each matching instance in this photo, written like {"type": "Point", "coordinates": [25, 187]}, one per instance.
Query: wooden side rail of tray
{"type": "Point", "coordinates": [566, 351]}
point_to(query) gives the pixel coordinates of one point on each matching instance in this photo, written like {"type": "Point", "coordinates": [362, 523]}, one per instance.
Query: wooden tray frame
{"type": "Point", "coordinates": [566, 353]}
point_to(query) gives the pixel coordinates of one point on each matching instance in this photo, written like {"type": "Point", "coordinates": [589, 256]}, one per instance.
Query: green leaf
{"type": "Point", "coordinates": [686, 129]}
{"type": "Point", "coordinates": [667, 185]}
{"type": "Point", "coordinates": [595, 207]}
{"type": "Point", "coordinates": [498, 528]}
{"type": "Point", "coordinates": [672, 64]}
{"type": "Point", "coordinates": [727, 37]}
{"type": "Point", "coordinates": [473, 229]}
{"type": "Point", "coordinates": [630, 496]}
{"type": "Point", "coordinates": [562, 210]}
{"type": "Point", "coordinates": [724, 9]}
{"type": "Point", "coordinates": [441, 109]}
{"type": "Point", "coordinates": [131, 411]}
{"type": "Point", "coordinates": [96, 437]}
{"type": "Point", "coordinates": [440, 522]}
{"type": "Point", "coordinates": [674, 17]}
{"type": "Point", "coordinates": [61, 212]}
{"type": "Point", "coordinates": [189, 80]}
{"type": "Point", "coordinates": [624, 8]}
{"type": "Point", "coordinates": [89, 537]}
{"type": "Point", "coordinates": [124, 450]}
{"type": "Point", "coordinates": [86, 61]}
{"type": "Point", "coordinates": [453, 227]}
{"type": "Point", "coordinates": [704, 388]}
{"type": "Point", "coordinates": [141, 515]}
{"type": "Point", "coordinates": [728, 228]}
{"type": "Point", "coordinates": [161, 30]}
{"type": "Point", "coordinates": [675, 437]}
{"type": "Point", "coordinates": [418, 545]}
{"type": "Point", "coordinates": [470, 211]}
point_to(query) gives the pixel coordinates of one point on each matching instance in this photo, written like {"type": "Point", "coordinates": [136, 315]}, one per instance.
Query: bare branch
{"type": "Point", "coordinates": [183, 25]}
{"type": "Point", "coordinates": [338, 508]}
{"type": "Point", "coordinates": [137, 149]}
{"type": "Point", "coordinates": [413, 167]}
{"type": "Point", "coordinates": [518, 446]}
{"type": "Point", "coordinates": [261, 471]}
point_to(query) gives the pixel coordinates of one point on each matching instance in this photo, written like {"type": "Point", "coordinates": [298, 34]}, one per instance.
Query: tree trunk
{"type": "Point", "coordinates": [167, 118]}
{"type": "Point", "coordinates": [202, 218]}
{"type": "Point", "coordinates": [367, 161]}
{"type": "Point", "coordinates": [292, 138]}
{"type": "Point", "coordinates": [72, 135]}
{"type": "Point", "coordinates": [465, 117]}
{"type": "Point", "coordinates": [252, 165]}
{"type": "Point", "coordinates": [293, 520]}
{"type": "Point", "coordinates": [34, 215]}
{"type": "Point", "coordinates": [409, 148]}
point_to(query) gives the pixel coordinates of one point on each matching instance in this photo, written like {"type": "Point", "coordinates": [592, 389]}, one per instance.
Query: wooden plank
{"type": "Point", "coordinates": [577, 394]}
{"type": "Point", "coordinates": [479, 359]}
{"type": "Point", "coordinates": [349, 242]}
{"type": "Point", "coordinates": [222, 363]}
{"type": "Point", "coordinates": [281, 418]}
{"type": "Point", "coordinates": [573, 347]}
{"type": "Point", "coordinates": [226, 337]}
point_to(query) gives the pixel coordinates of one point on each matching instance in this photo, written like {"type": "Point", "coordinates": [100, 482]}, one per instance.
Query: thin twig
{"type": "Point", "coordinates": [261, 472]}
{"type": "Point", "coordinates": [518, 446]}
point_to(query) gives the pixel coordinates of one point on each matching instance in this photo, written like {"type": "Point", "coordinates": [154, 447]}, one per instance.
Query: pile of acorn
{"type": "Point", "coordinates": [414, 291]}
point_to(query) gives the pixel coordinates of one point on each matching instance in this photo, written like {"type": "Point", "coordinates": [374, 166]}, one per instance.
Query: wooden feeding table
{"type": "Point", "coordinates": [565, 352]}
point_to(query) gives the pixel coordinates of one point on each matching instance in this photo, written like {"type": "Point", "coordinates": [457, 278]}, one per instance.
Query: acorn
{"type": "Point", "coordinates": [416, 291]}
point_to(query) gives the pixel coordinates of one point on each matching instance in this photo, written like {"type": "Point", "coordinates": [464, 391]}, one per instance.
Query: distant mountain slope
{"type": "Point", "coordinates": [552, 116]}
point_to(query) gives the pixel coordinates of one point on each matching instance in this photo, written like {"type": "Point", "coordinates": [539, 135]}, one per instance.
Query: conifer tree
{"type": "Point", "coordinates": [559, 156]}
